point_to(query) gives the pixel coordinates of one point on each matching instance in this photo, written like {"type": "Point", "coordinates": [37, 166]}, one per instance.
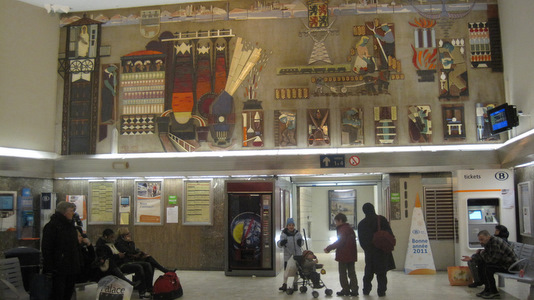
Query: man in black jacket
{"type": "Point", "coordinates": [61, 258]}
{"type": "Point", "coordinates": [376, 261]}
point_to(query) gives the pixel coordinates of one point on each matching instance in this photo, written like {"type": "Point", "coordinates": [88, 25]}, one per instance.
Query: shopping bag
{"type": "Point", "coordinates": [459, 275]}
{"type": "Point", "coordinates": [113, 288]}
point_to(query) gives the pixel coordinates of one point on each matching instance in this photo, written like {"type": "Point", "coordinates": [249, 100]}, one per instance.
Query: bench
{"type": "Point", "coordinates": [523, 269]}
{"type": "Point", "coordinates": [11, 285]}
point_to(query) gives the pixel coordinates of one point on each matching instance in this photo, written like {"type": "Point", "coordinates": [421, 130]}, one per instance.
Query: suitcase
{"type": "Point", "coordinates": [167, 287]}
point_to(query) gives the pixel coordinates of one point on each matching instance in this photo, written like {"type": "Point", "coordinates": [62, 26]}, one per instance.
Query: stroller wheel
{"type": "Point", "coordinates": [328, 292]}
{"type": "Point", "coordinates": [315, 294]}
{"type": "Point", "coordinates": [289, 291]}
{"type": "Point", "coordinates": [303, 289]}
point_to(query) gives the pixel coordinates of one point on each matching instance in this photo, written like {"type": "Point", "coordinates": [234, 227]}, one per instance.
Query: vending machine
{"type": "Point", "coordinates": [252, 215]}
{"type": "Point", "coordinates": [482, 200]}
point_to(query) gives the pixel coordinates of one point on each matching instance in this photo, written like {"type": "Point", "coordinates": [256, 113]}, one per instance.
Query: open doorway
{"type": "Point", "coordinates": [317, 205]}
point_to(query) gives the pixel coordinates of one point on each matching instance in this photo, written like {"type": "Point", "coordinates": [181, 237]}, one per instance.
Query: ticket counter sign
{"type": "Point", "coordinates": [419, 260]}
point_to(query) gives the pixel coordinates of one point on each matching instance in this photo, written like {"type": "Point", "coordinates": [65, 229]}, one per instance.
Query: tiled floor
{"type": "Point", "coordinates": [215, 285]}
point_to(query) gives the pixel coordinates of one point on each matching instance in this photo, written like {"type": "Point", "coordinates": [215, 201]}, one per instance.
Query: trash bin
{"type": "Point", "coordinates": [30, 262]}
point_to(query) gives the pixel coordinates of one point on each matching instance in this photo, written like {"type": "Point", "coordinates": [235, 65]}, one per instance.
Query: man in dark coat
{"type": "Point", "coordinates": [346, 256]}
{"type": "Point", "coordinates": [376, 261]}
{"type": "Point", "coordinates": [61, 257]}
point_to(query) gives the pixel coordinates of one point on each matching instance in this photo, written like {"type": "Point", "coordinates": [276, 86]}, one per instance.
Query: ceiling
{"type": "Point", "coordinates": [81, 5]}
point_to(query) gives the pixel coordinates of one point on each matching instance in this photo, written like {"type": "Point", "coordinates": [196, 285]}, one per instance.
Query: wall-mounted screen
{"type": "Point", "coordinates": [7, 201]}
{"type": "Point", "coordinates": [502, 118]}
{"type": "Point", "coordinates": [475, 214]}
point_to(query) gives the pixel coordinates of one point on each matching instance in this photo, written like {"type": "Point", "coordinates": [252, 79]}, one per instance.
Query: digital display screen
{"type": "Point", "coordinates": [7, 202]}
{"type": "Point", "coordinates": [498, 119]}
{"type": "Point", "coordinates": [125, 200]}
{"type": "Point", "coordinates": [475, 215]}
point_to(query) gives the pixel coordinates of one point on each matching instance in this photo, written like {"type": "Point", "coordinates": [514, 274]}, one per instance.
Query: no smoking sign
{"type": "Point", "coordinates": [354, 160]}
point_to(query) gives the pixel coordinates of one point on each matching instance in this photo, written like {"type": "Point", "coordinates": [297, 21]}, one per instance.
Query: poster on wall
{"type": "Point", "coordinates": [101, 206]}
{"type": "Point", "coordinates": [148, 206]}
{"type": "Point", "coordinates": [81, 208]}
{"type": "Point", "coordinates": [342, 201]}
{"type": "Point", "coordinates": [197, 202]}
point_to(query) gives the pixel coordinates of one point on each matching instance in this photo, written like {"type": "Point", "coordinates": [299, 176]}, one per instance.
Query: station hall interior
{"type": "Point", "coordinates": [42, 154]}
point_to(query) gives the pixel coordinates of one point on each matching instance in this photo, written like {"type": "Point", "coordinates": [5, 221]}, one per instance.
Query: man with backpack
{"type": "Point", "coordinates": [376, 261]}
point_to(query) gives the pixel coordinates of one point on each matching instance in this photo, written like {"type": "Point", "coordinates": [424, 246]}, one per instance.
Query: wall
{"type": "Point", "coordinates": [517, 69]}
{"type": "Point", "coordinates": [30, 40]}
{"type": "Point", "coordinates": [173, 245]}
{"type": "Point", "coordinates": [281, 36]}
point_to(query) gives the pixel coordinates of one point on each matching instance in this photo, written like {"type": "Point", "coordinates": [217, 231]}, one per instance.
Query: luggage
{"type": "Point", "coordinates": [167, 286]}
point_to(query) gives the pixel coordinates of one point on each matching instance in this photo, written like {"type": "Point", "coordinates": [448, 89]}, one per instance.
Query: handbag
{"type": "Point", "coordinates": [383, 240]}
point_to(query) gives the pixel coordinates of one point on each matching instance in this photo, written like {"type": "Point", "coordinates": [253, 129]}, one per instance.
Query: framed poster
{"type": "Point", "coordinates": [342, 201]}
{"type": "Point", "coordinates": [197, 203]}
{"type": "Point", "coordinates": [101, 204]}
{"type": "Point", "coordinates": [148, 202]}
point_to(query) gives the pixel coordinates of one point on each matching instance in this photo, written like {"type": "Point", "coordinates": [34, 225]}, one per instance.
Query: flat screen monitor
{"type": "Point", "coordinates": [7, 201]}
{"type": "Point", "coordinates": [125, 200]}
{"type": "Point", "coordinates": [502, 118]}
{"type": "Point", "coordinates": [475, 214]}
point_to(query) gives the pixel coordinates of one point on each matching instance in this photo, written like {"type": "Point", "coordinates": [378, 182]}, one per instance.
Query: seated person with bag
{"type": "Point", "coordinates": [115, 263]}
{"type": "Point", "coordinates": [125, 244]}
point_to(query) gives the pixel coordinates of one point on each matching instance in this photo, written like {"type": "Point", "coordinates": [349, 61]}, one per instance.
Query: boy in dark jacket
{"type": "Point", "coordinates": [346, 256]}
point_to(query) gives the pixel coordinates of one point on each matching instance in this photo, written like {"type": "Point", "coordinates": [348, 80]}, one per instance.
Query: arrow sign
{"type": "Point", "coordinates": [332, 161]}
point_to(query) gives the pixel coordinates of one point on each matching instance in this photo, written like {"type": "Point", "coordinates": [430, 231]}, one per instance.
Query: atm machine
{"type": "Point", "coordinates": [482, 200]}
{"type": "Point", "coordinates": [253, 221]}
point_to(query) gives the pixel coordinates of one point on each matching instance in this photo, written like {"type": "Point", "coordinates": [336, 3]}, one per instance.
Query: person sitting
{"type": "Point", "coordinates": [117, 264]}
{"type": "Point", "coordinates": [500, 231]}
{"type": "Point", "coordinates": [87, 257]}
{"type": "Point", "coordinates": [309, 265]}
{"type": "Point", "coordinates": [497, 256]}
{"type": "Point", "coordinates": [125, 244]}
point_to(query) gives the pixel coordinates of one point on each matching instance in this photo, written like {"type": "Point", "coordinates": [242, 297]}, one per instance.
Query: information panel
{"type": "Point", "coordinates": [101, 202]}
{"type": "Point", "coordinates": [197, 202]}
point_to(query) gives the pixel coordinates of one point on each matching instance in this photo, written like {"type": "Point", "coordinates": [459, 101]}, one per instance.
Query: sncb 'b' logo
{"type": "Point", "coordinates": [501, 176]}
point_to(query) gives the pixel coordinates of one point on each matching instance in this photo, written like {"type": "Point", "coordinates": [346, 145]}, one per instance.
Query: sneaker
{"type": "Point", "coordinates": [491, 295]}
{"type": "Point", "coordinates": [354, 294]}
{"type": "Point", "coordinates": [283, 287]}
{"type": "Point", "coordinates": [475, 284]}
{"type": "Point", "coordinates": [483, 293]}
{"type": "Point", "coordinates": [342, 293]}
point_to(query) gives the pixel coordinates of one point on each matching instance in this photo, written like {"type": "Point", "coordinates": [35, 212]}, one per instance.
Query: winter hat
{"type": "Point", "coordinates": [306, 252]}
{"type": "Point", "coordinates": [290, 221]}
{"type": "Point", "coordinates": [368, 209]}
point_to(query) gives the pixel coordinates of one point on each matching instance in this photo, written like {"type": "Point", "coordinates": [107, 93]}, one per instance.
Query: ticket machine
{"type": "Point", "coordinates": [482, 200]}
{"type": "Point", "coordinates": [483, 214]}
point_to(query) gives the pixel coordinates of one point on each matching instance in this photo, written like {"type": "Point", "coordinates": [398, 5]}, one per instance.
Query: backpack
{"type": "Point", "coordinates": [383, 240]}
{"type": "Point", "coordinates": [167, 286]}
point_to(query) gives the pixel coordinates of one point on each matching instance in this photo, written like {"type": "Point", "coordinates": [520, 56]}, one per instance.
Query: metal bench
{"type": "Point", "coordinates": [11, 285]}
{"type": "Point", "coordinates": [523, 269]}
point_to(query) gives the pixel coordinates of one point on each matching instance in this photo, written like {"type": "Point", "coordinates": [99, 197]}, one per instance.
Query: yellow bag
{"type": "Point", "coordinates": [459, 275]}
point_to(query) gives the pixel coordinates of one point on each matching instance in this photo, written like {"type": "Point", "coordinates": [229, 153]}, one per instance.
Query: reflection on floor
{"type": "Point", "coordinates": [215, 285]}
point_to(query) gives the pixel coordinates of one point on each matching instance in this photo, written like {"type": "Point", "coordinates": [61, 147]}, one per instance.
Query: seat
{"type": "Point", "coordinates": [11, 285]}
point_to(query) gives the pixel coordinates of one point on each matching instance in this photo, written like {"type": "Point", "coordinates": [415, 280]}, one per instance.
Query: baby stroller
{"type": "Point", "coordinates": [306, 278]}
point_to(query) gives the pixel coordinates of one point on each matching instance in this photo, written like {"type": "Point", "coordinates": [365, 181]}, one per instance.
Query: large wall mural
{"type": "Point", "coordinates": [225, 88]}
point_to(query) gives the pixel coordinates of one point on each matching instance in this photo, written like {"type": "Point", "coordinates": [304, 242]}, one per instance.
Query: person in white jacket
{"type": "Point", "coordinates": [291, 241]}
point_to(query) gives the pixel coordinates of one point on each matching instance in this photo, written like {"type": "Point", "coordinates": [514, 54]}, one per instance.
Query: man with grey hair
{"type": "Point", "coordinates": [59, 246]}
{"type": "Point", "coordinates": [497, 256]}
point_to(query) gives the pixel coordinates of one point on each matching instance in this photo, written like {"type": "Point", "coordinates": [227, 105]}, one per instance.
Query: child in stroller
{"type": "Point", "coordinates": [307, 265]}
